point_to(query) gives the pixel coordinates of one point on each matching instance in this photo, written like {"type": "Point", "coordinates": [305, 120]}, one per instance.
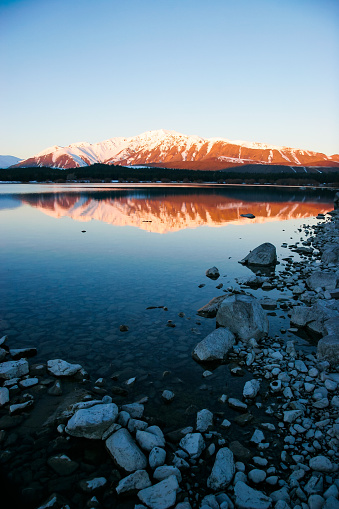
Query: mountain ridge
{"type": "Point", "coordinates": [170, 149]}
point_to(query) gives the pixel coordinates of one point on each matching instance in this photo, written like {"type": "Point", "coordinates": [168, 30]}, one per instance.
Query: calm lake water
{"type": "Point", "coordinates": [79, 261]}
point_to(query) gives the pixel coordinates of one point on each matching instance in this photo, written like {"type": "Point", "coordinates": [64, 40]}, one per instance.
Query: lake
{"type": "Point", "coordinates": [79, 261]}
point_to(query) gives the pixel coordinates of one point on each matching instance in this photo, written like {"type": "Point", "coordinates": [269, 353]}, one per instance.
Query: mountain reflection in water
{"type": "Point", "coordinates": [168, 210]}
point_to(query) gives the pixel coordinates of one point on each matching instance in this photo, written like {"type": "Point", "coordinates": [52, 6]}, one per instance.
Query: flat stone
{"type": "Point", "coordinates": [248, 498]}
{"type": "Point", "coordinates": [328, 349]}
{"type": "Point", "coordinates": [237, 404]}
{"type": "Point", "coordinates": [215, 346]}
{"type": "Point", "coordinates": [61, 368]}
{"type": "Point", "coordinates": [14, 369]}
{"type": "Point", "coordinates": [210, 309]}
{"type": "Point", "coordinates": [92, 422]}
{"type": "Point", "coordinates": [138, 480]}
{"type": "Point", "coordinates": [222, 471]}
{"type": "Point", "coordinates": [161, 495]}
{"type": "Point", "coordinates": [125, 451]}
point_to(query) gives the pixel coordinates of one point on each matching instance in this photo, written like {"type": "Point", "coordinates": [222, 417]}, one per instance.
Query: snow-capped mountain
{"type": "Point", "coordinates": [174, 150]}
{"type": "Point", "coordinates": [7, 161]}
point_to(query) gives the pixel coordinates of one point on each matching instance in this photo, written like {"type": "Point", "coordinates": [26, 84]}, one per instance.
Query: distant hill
{"type": "Point", "coordinates": [7, 161]}
{"type": "Point", "coordinates": [169, 149]}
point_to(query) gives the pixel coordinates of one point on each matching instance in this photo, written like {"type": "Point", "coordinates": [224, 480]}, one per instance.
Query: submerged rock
{"type": "Point", "coordinates": [215, 346]}
{"type": "Point", "coordinates": [243, 315]}
{"type": "Point", "coordinates": [262, 256]}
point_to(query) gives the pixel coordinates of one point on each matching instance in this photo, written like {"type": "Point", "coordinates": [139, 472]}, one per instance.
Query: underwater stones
{"type": "Point", "coordinates": [215, 346]}
{"type": "Point", "coordinates": [264, 255]}
{"type": "Point", "coordinates": [243, 316]}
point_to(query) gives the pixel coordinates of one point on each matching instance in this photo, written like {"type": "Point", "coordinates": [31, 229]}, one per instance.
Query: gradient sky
{"type": "Point", "coordinates": [89, 70]}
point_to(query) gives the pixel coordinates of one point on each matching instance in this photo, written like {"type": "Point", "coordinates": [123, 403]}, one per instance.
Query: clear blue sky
{"type": "Point", "coordinates": [89, 70]}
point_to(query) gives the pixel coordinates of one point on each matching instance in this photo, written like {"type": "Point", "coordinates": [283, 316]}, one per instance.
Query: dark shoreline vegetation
{"type": "Point", "coordinates": [250, 174]}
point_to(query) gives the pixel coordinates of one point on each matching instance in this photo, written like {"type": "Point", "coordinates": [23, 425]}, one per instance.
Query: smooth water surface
{"type": "Point", "coordinates": [79, 261]}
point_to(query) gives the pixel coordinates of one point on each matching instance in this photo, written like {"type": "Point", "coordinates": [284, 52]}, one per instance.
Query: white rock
{"type": "Point", "coordinates": [165, 471]}
{"type": "Point", "coordinates": [28, 382]}
{"type": "Point", "coordinates": [237, 404]}
{"type": "Point", "coordinates": [215, 346]}
{"type": "Point", "coordinates": [222, 471]}
{"type": "Point", "coordinates": [125, 451]}
{"type": "Point", "coordinates": [148, 441]}
{"type": "Point", "coordinates": [93, 484]}
{"type": "Point", "coordinates": [14, 369]}
{"type": "Point", "coordinates": [92, 422]}
{"type": "Point", "coordinates": [193, 444]}
{"type": "Point", "coordinates": [138, 480]}
{"type": "Point", "coordinates": [204, 420]}
{"type": "Point", "coordinates": [161, 495]}
{"type": "Point", "coordinates": [225, 424]}
{"type": "Point", "coordinates": [157, 457]}
{"type": "Point", "coordinates": [4, 396]}
{"type": "Point", "coordinates": [248, 498]}
{"type": "Point", "coordinates": [59, 367]}
{"type": "Point", "coordinates": [251, 389]}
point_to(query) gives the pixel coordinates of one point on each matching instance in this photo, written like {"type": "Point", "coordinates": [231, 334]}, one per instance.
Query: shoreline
{"type": "Point", "coordinates": [199, 449]}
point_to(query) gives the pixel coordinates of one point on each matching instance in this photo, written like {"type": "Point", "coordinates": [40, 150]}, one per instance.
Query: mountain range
{"type": "Point", "coordinates": [169, 149]}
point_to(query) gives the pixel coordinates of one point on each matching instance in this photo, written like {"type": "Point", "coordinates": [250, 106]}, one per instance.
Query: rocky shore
{"type": "Point", "coordinates": [67, 442]}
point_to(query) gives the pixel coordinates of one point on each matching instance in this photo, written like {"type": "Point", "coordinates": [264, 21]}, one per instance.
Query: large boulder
{"type": "Point", "coordinates": [92, 422]}
{"type": "Point", "coordinates": [328, 349]}
{"type": "Point", "coordinates": [125, 451]}
{"type": "Point", "coordinates": [243, 315]}
{"type": "Point", "coordinates": [215, 346]}
{"type": "Point", "coordinates": [262, 256]}
{"type": "Point", "coordinates": [222, 471]}
{"type": "Point", "coordinates": [324, 280]}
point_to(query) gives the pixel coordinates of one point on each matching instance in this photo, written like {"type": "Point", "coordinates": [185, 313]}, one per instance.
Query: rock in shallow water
{"type": "Point", "coordinates": [59, 367]}
{"type": "Point", "coordinates": [262, 256]}
{"type": "Point", "coordinates": [215, 346]}
{"type": "Point", "coordinates": [14, 369]}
